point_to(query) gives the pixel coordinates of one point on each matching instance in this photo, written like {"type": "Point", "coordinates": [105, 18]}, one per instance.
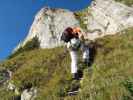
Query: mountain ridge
{"type": "Point", "coordinates": [98, 20]}
{"type": "Point", "coordinates": [37, 73]}
{"type": "Point", "coordinates": [45, 73]}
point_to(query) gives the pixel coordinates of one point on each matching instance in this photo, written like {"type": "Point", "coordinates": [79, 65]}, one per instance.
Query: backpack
{"type": "Point", "coordinates": [67, 35]}
{"type": "Point", "coordinates": [75, 43]}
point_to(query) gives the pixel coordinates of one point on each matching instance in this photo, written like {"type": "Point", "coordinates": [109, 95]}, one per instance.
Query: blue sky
{"type": "Point", "coordinates": [16, 17]}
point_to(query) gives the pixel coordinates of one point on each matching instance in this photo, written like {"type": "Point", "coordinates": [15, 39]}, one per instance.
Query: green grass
{"type": "Point", "coordinates": [49, 71]}
{"type": "Point", "coordinates": [127, 2]}
{"type": "Point", "coordinates": [5, 94]}
{"type": "Point", "coordinates": [112, 77]}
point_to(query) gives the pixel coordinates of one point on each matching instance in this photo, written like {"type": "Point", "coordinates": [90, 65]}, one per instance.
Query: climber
{"type": "Point", "coordinates": [75, 40]}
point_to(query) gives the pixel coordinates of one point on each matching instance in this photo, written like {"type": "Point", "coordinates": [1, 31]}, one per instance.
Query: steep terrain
{"type": "Point", "coordinates": [33, 73]}
{"type": "Point", "coordinates": [48, 72]}
{"type": "Point", "coordinates": [49, 24]}
{"type": "Point", "coordinates": [106, 17]}
{"type": "Point", "coordinates": [102, 18]}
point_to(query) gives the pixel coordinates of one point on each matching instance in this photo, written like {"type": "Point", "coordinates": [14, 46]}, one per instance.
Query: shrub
{"type": "Point", "coordinates": [30, 45]}
{"type": "Point", "coordinates": [111, 76]}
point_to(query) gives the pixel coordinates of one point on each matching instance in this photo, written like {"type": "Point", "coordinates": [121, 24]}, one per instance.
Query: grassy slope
{"type": "Point", "coordinates": [45, 69]}
{"type": "Point", "coordinates": [127, 2]}
{"type": "Point", "coordinates": [49, 71]}
{"type": "Point", "coordinates": [112, 76]}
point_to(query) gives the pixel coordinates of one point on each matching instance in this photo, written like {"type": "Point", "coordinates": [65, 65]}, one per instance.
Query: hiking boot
{"type": "Point", "coordinates": [80, 74]}
{"type": "Point", "coordinates": [74, 88]}
{"type": "Point", "coordinates": [75, 76]}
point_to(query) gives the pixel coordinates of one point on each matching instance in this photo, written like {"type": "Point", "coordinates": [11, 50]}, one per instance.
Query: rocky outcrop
{"type": "Point", "coordinates": [102, 18]}
{"type": "Point", "coordinates": [29, 94]}
{"type": "Point", "coordinates": [107, 17]}
{"type": "Point", "coordinates": [49, 24]}
{"type": "Point", "coordinates": [5, 75]}
{"type": "Point", "coordinates": [26, 94]}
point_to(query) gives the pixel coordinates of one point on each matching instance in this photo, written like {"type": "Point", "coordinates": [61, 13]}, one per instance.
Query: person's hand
{"type": "Point", "coordinates": [68, 45]}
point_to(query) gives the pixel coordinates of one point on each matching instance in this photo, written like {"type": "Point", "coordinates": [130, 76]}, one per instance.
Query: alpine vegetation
{"type": "Point", "coordinates": [85, 55]}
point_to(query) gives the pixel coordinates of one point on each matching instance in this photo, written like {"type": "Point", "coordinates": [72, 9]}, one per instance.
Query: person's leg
{"type": "Point", "coordinates": [86, 54]}
{"type": "Point", "coordinates": [74, 63]}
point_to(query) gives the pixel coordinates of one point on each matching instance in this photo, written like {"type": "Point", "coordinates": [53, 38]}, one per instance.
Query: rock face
{"type": "Point", "coordinates": [29, 94]}
{"type": "Point", "coordinates": [49, 24]}
{"type": "Point", "coordinates": [102, 18]}
{"type": "Point", "coordinates": [107, 17]}
{"type": "Point", "coordinates": [4, 76]}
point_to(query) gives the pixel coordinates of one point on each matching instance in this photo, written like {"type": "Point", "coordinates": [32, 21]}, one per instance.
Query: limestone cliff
{"type": "Point", "coordinates": [103, 17]}
{"type": "Point", "coordinates": [107, 17]}
{"type": "Point", "coordinates": [49, 24]}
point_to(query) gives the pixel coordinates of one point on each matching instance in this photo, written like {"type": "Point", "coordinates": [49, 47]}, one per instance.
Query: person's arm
{"type": "Point", "coordinates": [68, 45]}
{"type": "Point", "coordinates": [82, 36]}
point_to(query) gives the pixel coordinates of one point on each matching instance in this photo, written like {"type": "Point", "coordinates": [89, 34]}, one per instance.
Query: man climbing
{"type": "Point", "coordinates": [75, 40]}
